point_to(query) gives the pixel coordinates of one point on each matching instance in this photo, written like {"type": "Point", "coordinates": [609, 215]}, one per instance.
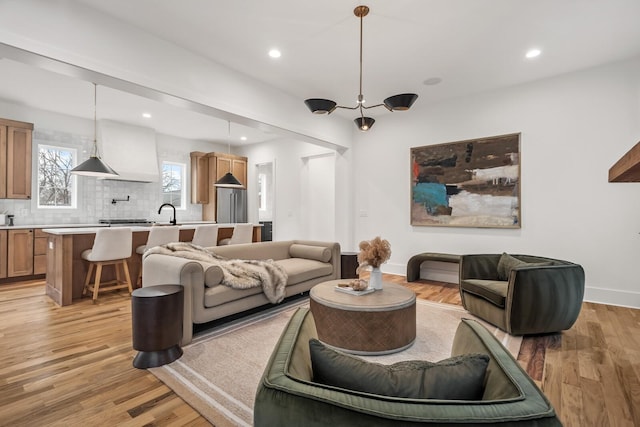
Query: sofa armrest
{"type": "Point", "coordinates": [163, 269]}
{"type": "Point", "coordinates": [479, 266]}
{"type": "Point", "coordinates": [547, 298]}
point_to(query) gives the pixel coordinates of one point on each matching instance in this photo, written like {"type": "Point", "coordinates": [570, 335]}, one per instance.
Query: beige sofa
{"type": "Point", "coordinates": [307, 263]}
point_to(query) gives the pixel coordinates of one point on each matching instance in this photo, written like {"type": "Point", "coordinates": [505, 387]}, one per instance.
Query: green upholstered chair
{"type": "Point", "coordinates": [288, 396]}
{"type": "Point", "coordinates": [523, 294]}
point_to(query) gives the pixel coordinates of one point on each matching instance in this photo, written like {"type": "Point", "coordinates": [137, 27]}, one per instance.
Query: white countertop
{"type": "Point", "coordinates": [187, 225]}
{"type": "Point", "coordinates": [25, 226]}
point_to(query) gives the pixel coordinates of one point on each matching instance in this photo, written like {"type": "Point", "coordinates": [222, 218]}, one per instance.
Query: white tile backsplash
{"type": "Point", "coordinates": [95, 195]}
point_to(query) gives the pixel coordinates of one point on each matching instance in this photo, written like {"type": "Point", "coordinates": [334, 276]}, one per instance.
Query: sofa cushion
{"type": "Point", "coordinates": [300, 269]}
{"type": "Point", "coordinates": [221, 294]}
{"type": "Point", "coordinates": [494, 291]}
{"type": "Point", "coordinates": [460, 378]}
{"type": "Point", "coordinates": [319, 253]}
{"type": "Point", "coordinates": [508, 263]}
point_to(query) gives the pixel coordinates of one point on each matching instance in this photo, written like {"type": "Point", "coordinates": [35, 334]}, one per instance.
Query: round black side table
{"type": "Point", "coordinates": [156, 315]}
{"type": "Point", "coordinates": [348, 265]}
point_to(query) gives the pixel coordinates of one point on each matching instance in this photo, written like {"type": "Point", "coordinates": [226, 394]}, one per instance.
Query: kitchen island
{"type": "Point", "coordinates": [66, 270]}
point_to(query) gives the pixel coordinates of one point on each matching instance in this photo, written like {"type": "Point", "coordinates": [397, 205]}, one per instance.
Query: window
{"type": "Point", "coordinates": [56, 185]}
{"type": "Point", "coordinates": [173, 184]}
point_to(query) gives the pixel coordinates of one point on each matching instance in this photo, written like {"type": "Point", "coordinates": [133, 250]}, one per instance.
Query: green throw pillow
{"type": "Point", "coordinates": [508, 263]}
{"type": "Point", "coordinates": [457, 378]}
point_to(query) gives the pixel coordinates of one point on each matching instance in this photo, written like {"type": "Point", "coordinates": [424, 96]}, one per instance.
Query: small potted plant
{"type": "Point", "coordinates": [374, 253]}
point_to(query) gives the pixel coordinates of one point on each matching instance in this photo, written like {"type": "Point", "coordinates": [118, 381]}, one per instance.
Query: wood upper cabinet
{"type": "Point", "coordinates": [199, 177]}
{"type": "Point", "coordinates": [3, 254]}
{"type": "Point", "coordinates": [15, 159]}
{"type": "Point", "coordinates": [237, 165]}
{"type": "Point", "coordinates": [20, 252]}
{"type": "Point", "coordinates": [206, 169]}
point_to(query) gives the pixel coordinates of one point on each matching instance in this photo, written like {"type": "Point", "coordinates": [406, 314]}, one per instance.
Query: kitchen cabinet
{"type": "Point", "coordinates": [39, 251]}
{"type": "Point", "coordinates": [206, 169]}
{"type": "Point", "coordinates": [20, 252]}
{"type": "Point", "coordinates": [199, 177]}
{"type": "Point", "coordinates": [15, 159]}
{"type": "Point", "coordinates": [3, 254]}
{"type": "Point", "coordinates": [235, 164]}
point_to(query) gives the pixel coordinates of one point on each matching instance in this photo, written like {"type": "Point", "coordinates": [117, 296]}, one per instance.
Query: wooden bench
{"type": "Point", "coordinates": [413, 266]}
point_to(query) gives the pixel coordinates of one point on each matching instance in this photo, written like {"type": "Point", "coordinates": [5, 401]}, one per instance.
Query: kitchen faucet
{"type": "Point", "coordinates": [173, 221]}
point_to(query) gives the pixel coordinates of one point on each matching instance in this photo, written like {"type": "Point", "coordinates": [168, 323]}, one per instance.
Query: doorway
{"type": "Point", "coordinates": [266, 195]}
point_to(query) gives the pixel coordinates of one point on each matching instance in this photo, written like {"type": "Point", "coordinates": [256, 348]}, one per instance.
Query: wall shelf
{"type": "Point", "coordinates": [627, 169]}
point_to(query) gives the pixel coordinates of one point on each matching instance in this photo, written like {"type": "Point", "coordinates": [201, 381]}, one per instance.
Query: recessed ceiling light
{"type": "Point", "coordinates": [243, 138]}
{"type": "Point", "coordinates": [432, 81]}
{"type": "Point", "coordinates": [275, 53]}
{"type": "Point", "coordinates": [146, 115]}
{"type": "Point", "coordinates": [532, 53]}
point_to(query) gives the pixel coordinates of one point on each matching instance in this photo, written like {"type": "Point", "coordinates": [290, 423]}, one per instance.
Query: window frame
{"type": "Point", "coordinates": [183, 183]}
{"type": "Point", "coordinates": [74, 181]}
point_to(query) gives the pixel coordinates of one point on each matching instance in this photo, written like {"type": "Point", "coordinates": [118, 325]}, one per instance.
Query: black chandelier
{"type": "Point", "coordinates": [401, 102]}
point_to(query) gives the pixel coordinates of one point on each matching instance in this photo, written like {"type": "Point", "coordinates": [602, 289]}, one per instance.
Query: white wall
{"type": "Point", "coordinates": [289, 157]}
{"type": "Point", "coordinates": [574, 128]}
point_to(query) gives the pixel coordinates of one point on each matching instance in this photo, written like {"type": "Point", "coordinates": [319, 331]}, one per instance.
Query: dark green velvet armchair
{"type": "Point", "coordinates": [288, 396]}
{"type": "Point", "coordinates": [540, 295]}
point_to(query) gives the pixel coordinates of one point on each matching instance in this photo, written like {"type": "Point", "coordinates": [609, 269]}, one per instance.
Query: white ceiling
{"type": "Point", "coordinates": [472, 45]}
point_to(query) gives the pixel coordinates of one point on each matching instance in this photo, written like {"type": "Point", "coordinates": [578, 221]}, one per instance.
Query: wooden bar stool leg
{"type": "Point", "coordinates": [127, 277]}
{"type": "Point", "coordinates": [87, 279]}
{"type": "Point", "coordinates": [116, 267]}
{"type": "Point", "coordinates": [96, 285]}
{"type": "Point", "coordinates": [139, 279]}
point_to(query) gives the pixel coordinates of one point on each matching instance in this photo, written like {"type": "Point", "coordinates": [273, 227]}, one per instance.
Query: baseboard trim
{"type": "Point", "coordinates": [615, 297]}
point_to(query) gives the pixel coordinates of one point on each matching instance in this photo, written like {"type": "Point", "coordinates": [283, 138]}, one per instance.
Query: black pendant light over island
{"type": "Point", "coordinates": [94, 166]}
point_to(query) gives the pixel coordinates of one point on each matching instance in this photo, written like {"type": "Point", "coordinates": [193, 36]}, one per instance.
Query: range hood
{"type": "Point", "coordinates": [129, 150]}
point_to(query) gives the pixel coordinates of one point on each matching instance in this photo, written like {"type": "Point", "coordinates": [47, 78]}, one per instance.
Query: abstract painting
{"type": "Point", "coordinates": [473, 183]}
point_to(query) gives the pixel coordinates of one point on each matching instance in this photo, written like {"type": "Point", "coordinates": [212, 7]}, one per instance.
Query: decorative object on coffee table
{"type": "Point", "coordinates": [373, 253]}
{"type": "Point", "coordinates": [156, 315]}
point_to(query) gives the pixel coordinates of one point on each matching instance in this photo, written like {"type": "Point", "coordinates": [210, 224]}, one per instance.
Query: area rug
{"type": "Point", "coordinates": [220, 370]}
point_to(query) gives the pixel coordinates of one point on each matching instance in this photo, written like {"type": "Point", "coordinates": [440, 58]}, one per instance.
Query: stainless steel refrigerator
{"type": "Point", "coordinates": [232, 205]}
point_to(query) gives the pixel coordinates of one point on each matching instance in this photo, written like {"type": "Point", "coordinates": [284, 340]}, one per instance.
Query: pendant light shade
{"type": "Point", "coordinates": [364, 123]}
{"type": "Point", "coordinates": [401, 102]}
{"type": "Point", "coordinates": [94, 166]}
{"type": "Point", "coordinates": [228, 180]}
{"type": "Point", "coordinates": [320, 106]}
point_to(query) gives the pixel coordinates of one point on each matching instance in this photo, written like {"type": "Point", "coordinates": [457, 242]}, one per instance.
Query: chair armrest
{"type": "Point", "coordinates": [479, 266]}
{"type": "Point", "coordinates": [544, 299]}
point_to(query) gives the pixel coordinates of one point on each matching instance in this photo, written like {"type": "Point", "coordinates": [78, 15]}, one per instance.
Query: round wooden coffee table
{"type": "Point", "coordinates": [381, 322]}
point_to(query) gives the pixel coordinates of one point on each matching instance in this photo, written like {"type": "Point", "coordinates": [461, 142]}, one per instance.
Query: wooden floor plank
{"type": "Point", "coordinates": [73, 365]}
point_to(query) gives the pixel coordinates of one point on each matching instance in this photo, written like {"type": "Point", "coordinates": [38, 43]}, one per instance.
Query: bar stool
{"type": "Point", "coordinates": [158, 235]}
{"type": "Point", "coordinates": [112, 246]}
{"type": "Point", "coordinates": [206, 235]}
{"type": "Point", "coordinates": [242, 233]}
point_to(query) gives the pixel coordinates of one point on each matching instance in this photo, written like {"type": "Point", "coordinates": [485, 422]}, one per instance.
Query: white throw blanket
{"type": "Point", "coordinates": [236, 273]}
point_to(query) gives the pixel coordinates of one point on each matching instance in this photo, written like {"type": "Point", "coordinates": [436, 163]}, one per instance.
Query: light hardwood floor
{"type": "Point", "coordinates": [73, 365]}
